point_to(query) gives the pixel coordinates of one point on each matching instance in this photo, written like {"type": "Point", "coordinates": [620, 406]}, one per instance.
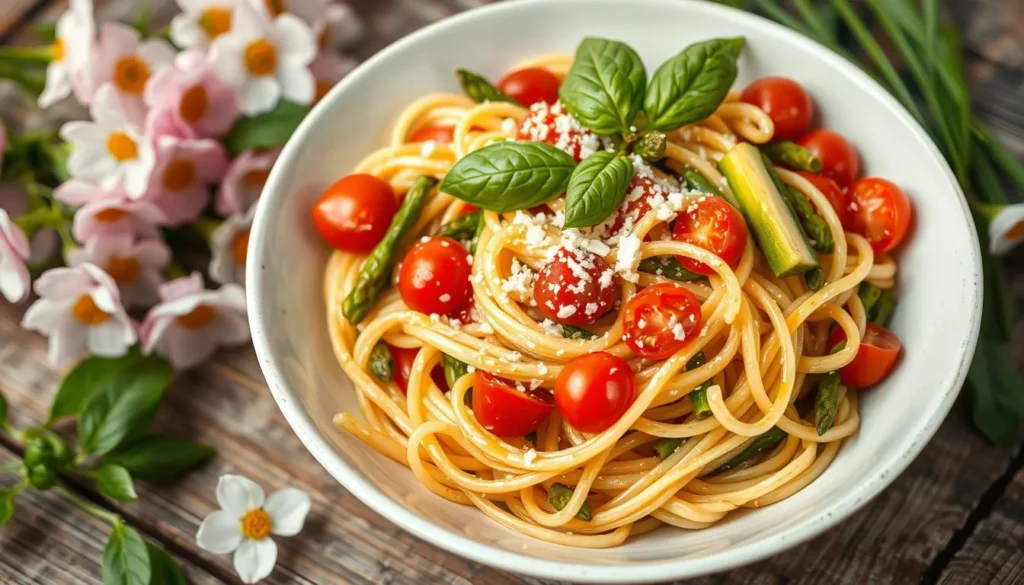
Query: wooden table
{"type": "Point", "coordinates": [954, 516]}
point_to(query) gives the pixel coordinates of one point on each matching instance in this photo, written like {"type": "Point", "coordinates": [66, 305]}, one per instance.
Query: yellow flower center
{"type": "Point", "coordinates": [325, 35]}
{"type": "Point", "coordinates": [1016, 232]}
{"type": "Point", "coordinates": [200, 317]}
{"type": "Point", "coordinates": [86, 312]}
{"type": "Point", "coordinates": [322, 87]}
{"type": "Point", "coordinates": [122, 147]}
{"type": "Point", "coordinates": [123, 269]}
{"type": "Point", "coordinates": [179, 174]}
{"type": "Point", "coordinates": [58, 50]}
{"type": "Point", "coordinates": [240, 247]}
{"type": "Point", "coordinates": [261, 58]}
{"type": "Point", "coordinates": [215, 21]}
{"type": "Point", "coordinates": [256, 179]}
{"type": "Point", "coordinates": [111, 215]}
{"type": "Point", "coordinates": [256, 524]}
{"type": "Point", "coordinates": [194, 103]}
{"type": "Point", "coordinates": [275, 7]}
{"type": "Point", "coordinates": [131, 74]}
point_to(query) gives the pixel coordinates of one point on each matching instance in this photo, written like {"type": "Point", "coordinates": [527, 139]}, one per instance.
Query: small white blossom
{"type": "Point", "coordinates": [14, 252]}
{"type": "Point", "coordinates": [136, 266]}
{"type": "Point", "coordinates": [229, 247]}
{"type": "Point", "coordinates": [1006, 229]}
{"type": "Point", "coordinates": [71, 50]}
{"type": "Point", "coordinates": [200, 22]}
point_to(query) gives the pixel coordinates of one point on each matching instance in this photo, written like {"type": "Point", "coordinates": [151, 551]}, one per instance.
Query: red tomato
{"type": "Point", "coordinates": [638, 202]}
{"type": "Point", "coordinates": [594, 390]}
{"type": "Point", "coordinates": [569, 290]}
{"type": "Point", "coordinates": [436, 133]}
{"type": "Point", "coordinates": [434, 277]}
{"type": "Point", "coordinates": [880, 211]}
{"type": "Point", "coordinates": [876, 356]}
{"type": "Point", "coordinates": [506, 411]}
{"type": "Point", "coordinates": [838, 158]}
{"type": "Point", "coordinates": [403, 367]}
{"type": "Point", "coordinates": [836, 196]}
{"type": "Point", "coordinates": [711, 223]}
{"type": "Point", "coordinates": [785, 101]}
{"type": "Point", "coordinates": [552, 124]}
{"type": "Point", "coordinates": [467, 209]}
{"type": "Point", "coordinates": [660, 320]}
{"type": "Point", "coordinates": [530, 85]}
{"type": "Point", "coordinates": [354, 213]}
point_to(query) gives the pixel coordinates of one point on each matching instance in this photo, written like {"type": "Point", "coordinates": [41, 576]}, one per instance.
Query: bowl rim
{"type": "Point", "coordinates": [895, 461]}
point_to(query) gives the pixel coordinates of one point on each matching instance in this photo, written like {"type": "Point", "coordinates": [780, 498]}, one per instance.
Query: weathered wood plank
{"type": "Point", "coordinates": [12, 12]}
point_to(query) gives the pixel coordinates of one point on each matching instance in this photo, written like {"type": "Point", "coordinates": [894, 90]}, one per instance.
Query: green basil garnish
{"type": "Point", "coordinates": [690, 86]}
{"type": "Point", "coordinates": [480, 90]}
{"type": "Point", "coordinates": [508, 176]}
{"type": "Point", "coordinates": [596, 188]}
{"type": "Point", "coordinates": [604, 88]}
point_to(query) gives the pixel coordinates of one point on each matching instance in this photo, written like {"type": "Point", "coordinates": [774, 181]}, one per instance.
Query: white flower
{"type": "Point", "coordinates": [126, 61]}
{"type": "Point", "coordinates": [191, 322]}
{"type": "Point", "coordinates": [229, 246]}
{"type": "Point", "coordinates": [200, 22]}
{"type": "Point", "coordinates": [1006, 229]}
{"type": "Point", "coordinates": [80, 310]}
{"type": "Point", "coordinates": [245, 522]}
{"type": "Point", "coordinates": [71, 51]}
{"type": "Point", "coordinates": [14, 252]}
{"type": "Point", "coordinates": [134, 265]}
{"type": "Point", "coordinates": [111, 149]}
{"type": "Point", "coordinates": [337, 27]}
{"type": "Point", "coordinates": [265, 60]}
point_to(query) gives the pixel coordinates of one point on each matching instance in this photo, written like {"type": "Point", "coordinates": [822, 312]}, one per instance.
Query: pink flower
{"type": "Point", "coordinates": [116, 216]}
{"type": "Point", "coordinates": [14, 252]}
{"type": "Point", "coordinates": [243, 182]}
{"type": "Point", "coordinates": [192, 322]}
{"type": "Point", "coordinates": [328, 69]}
{"type": "Point", "coordinates": [229, 247]}
{"type": "Point", "coordinates": [125, 60]}
{"type": "Point", "coordinates": [80, 310]}
{"type": "Point", "coordinates": [184, 168]}
{"type": "Point", "coordinates": [188, 99]}
{"type": "Point", "coordinates": [134, 265]}
{"type": "Point", "coordinates": [80, 192]}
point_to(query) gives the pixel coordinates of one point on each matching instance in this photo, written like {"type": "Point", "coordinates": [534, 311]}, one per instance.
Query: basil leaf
{"type": "Point", "coordinates": [125, 405]}
{"type": "Point", "coordinates": [265, 130]}
{"type": "Point", "coordinates": [480, 90]}
{"type": "Point", "coordinates": [690, 86]}
{"type": "Point", "coordinates": [604, 88]}
{"type": "Point", "coordinates": [85, 380]}
{"type": "Point", "coordinates": [6, 505]}
{"type": "Point", "coordinates": [596, 188]}
{"type": "Point", "coordinates": [165, 570]}
{"type": "Point", "coordinates": [114, 482]}
{"type": "Point", "coordinates": [125, 558]}
{"type": "Point", "coordinates": [508, 176]}
{"type": "Point", "coordinates": [160, 458]}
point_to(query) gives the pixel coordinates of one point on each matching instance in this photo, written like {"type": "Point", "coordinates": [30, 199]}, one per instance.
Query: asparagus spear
{"type": "Point", "coordinates": [761, 443]}
{"type": "Point", "coordinates": [699, 396]}
{"type": "Point", "coordinates": [698, 182]}
{"type": "Point", "coordinates": [559, 495]}
{"type": "Point", "coordinates": [883, 308]}
{"type": "Point", "coordinates": [869, 295]}
{"type": "Point", "coordinates": [454, 369]}
{"type": "Point", "coordinates": [669, 267]}
{"type": "Point", "coordinates": [480, 90]}
{"type": "Point", "coordinates": [382, 364]}
{"type": "Point", "coordinates": [651, 146]}
{"type": "Point", "coordinates": [376, 272]}
{"type": "Point", "coordinates": [792, 155]}
{"type": "Point", "coordinates": [826, 404]}
{"type": "Point", "coordinates": [663, 448]}
{"type": "Point", "coordinates": [813, 228]}
{"type": "Point", "coordinates": [463, 228]}
{"type": "Point", "coordinates": [570, 332]}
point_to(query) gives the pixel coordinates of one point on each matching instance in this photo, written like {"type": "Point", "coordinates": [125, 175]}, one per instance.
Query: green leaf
{"type": "Point", "coordinates": [669, 267]}
{"type": "Point", "coordinates": [163, 568]}
{"type": "Point", "coordinates": [86, 379]}
{"type": "Point", "coordinates": [161, 458]}
{"type": "Point", "coordinates": [480, 90]}
{"type": "Point", "coordinates": [604, 88]}
{"type": "Point", "coordinates": [508, 176]}
{"type": "Point", "coordinates": [6, 505]}
{"type": "Point", "coordinates": [114, 482]}
{"type": "Point", "coordinates": [124, 406]}
{"type": "Point", "coordinates": [125, 558]}
{"type": "Point", "coordinates": [596, 188]}
{"type": "Point", "coordinates": [690, 86]}
{"type": "Point", "coordinates": [265, 130]}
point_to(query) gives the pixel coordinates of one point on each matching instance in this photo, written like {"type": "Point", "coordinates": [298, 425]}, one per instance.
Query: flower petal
{"type": "Point", "coordinates": [67, 343]}
{"type": "Point", "coordinates": [293, 39]}
{"type": "Point", "coordinates": [156, 53]}
{"type": "Point", "coordinates": [259, 95]}
{"type": "Point", "coordinates": [226, 53]}
{"type": "Point", "coordinates": [237, 494]}
{"type": "Point", "coordinates": [287, 509]}
{"type": "Point", "coordinates": [111, 339]}
{"type": "Point", "coordinates": [58, 85]}
{"type": "Point", "coordinates": [255, 559]}
{"type": "Point", "coordinates": [185, 31]}
{"type": "Point", "coordinates": [186, 348]}
{"type": "Point", "coordinates": [220, 533]}
{"type": "Point", "coordinates": [297, 84]}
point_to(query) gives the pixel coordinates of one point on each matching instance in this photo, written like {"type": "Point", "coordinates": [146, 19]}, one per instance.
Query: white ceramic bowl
{"type": "Point", "coordinates": [939, 278]}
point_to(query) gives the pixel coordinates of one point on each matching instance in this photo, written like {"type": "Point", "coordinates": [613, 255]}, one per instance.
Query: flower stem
{"type": "Point", "coordinates": [95, 510]}
{"type": "Point", "coordinates": [38, 54]}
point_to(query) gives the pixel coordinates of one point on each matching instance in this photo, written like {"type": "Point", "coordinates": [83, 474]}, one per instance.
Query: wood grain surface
{"type": "Point", "coordinates": [955, 516]}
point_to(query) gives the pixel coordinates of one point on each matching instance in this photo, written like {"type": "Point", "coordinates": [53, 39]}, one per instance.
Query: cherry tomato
{"type": "Point", "coordinates": [660, 320]}
{"type": "Point", "coordinates": [569, 288]}
{"type": "Point", "coordinates": [434, 277]}
{"type": "Point", "coordinates": [443, 134]}
{"type": "Point", "coordinates": [404, 357]}
{"type": "Point", "coordinates": [711, 223]}
{"type": "Point", "coordinates": [880, 211]}
{"type": "Point", "coordinates": [785, 101]}
{"type": "Point", "coordinates": [552, 124]}
{"type": "Point", "coordinates": [594, 390]}
{"type": "Point", "coordinates": [354, 213]}
{"type": "Point", "coordinates": [530, 85]}
{"type": "Point", "coordinates": [507, 411]}
{"type": "Point", "coordinates": [467, 209]}
{"type": "Point", "coordinates": [836, 196]}
{"type": "Point", "coordinates": [876, 356]}
{"type": "Point", "coordinates": [638, 202]}
{"type": "Point", "coordinates": [839, 159]}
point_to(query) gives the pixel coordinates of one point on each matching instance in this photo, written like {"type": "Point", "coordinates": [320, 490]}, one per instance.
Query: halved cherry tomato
{"type": "Point", "coordinates": [876, 357]}
{"type": "Point", "coordinates": [354, 213]}
{"type": "Point", "coordinates": [785, 101]}
{"type": "Point", "coordinates": [530, 85]}
{"type": "Point", "coordinates": [570, 289]}
{"type": "Point", "coordinates": [839, 200]}
{"type": "Point", "coordinates": [404, 356]}
{"type": "Point", "coordinates": [638, 202]}
{"type": "Point", "coordinates": [507, 411]}
{"type": "Point", "coordinates": [594, 390]}
{"type": "Point", "coordinates": [660, 320]}
{"type": "Point", "coordinates": [467, 209]}
{"type": "Point", "coordinates": [880, 211]}
{"type": "Point", "coordinates": [434, 277]}
{"type": "Point", "coordinates": [551, 123]}
{"type": "Point", "coordinates": [711, 223]}
{"type": "Point", "coordinates": [443, 134]}
{"type": "Point", "coordinates": [839, 160]}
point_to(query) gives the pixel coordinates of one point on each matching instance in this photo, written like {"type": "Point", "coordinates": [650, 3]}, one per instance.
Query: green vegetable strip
{"type": "Point", "coordinates": [480, 90]}
{"type": "Point", "coordinates": [804, 212]}
{"type": "Point", "coordinates": [869, 295]}
{"type": "Point", "coordinates": [381, 364]}
{"type": "Point", "coordinates": [826, 404]}
{"type": "Point", "coordinates": [815, 278]}
{"type": "Point", "coordinates": [559, 496]}
{"type": "Point", "coordinates": [883, 308]}
{"type": "Point", "coordinates": [669, 267]}
{"type": "Point", "coordinates": [570, 332]}
{"type": "Point", "coordinates": [794, 156]}
{"type": "Point", "coordinates": [453, 370]}
{"type": "Point", "coordinates": [476, 235]}
{"type": "Point", "coordinates": [464, 227]}
{"type": "Point", "coordinates": [745, 458]}
{"type": "Point", "coordinates": [698, 182]}
{"type": "Point", "coordinates": [375, 274]}
{"type": "Point", "coordinates": [664, 448]}
{"type": "Point", "coordinates": [651, 146]}
{"type": "Point", "coordinates": [699, 395]}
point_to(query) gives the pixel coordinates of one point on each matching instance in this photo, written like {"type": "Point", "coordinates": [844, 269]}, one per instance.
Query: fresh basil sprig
{"type": "Point", "coordinates": [604, 88]}
{"type": "Point", "coordinates": [690, 86]}
{"type": "Point", "coordinates": [596, 188]}
{"type": "Point", "coordinates": [508, 176]}
{"type": "Point", "coordinates": [480, 90]}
